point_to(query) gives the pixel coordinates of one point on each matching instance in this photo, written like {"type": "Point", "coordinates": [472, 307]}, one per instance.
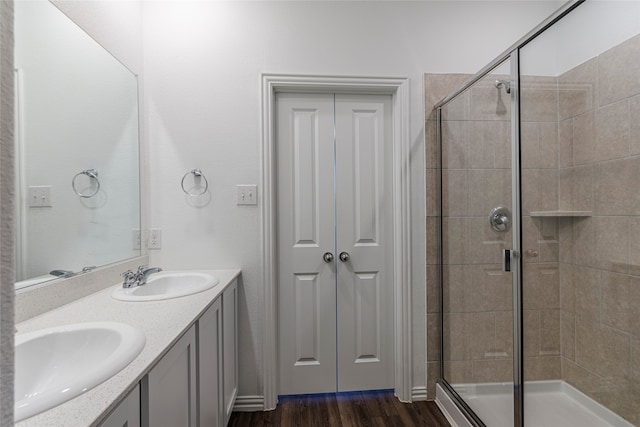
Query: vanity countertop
{"type": "Point", "coordinates": [163, 322]}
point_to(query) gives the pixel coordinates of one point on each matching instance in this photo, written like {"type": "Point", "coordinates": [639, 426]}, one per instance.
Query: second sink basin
{"type": "Point", "coordinates": [167, 285]}
{"type": "Point", "coordinates": [57, 364]}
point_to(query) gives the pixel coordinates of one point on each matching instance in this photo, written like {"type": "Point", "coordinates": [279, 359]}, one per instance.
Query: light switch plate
{"type": "Point", "coordinates": [40, 196]}
{"type": "Point", "coordinates": [247, 194]}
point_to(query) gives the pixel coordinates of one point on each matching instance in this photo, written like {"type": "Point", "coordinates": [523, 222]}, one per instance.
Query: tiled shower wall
{"type": "Point", "coordinates": [539, 182]}
{"type": "Point", "coordinates": [580, 152]}
{"type": "Point", "coordinates": [437, 86]}
{"type": "Point", "coordinates": [599, 171]}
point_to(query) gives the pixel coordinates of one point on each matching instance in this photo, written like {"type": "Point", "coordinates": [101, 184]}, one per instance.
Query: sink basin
{"type": "Point", "coordinates": [167, 285]}
{"type": "Point", "coordinates": [57, 364]}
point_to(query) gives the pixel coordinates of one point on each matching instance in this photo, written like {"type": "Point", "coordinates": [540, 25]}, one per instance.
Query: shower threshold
{"type": "Point", "coordinates": [546, 404]}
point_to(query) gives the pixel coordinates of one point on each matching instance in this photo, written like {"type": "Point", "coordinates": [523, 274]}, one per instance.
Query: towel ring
{"type": "Point", "coordinates": [92, 174]}
{"type": "Point", "coordinates": [197, 173]}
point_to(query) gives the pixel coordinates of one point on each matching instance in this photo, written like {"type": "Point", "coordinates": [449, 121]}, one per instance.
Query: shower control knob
{"type": "Point", "coordinates": [327, 257]}
{"type": "Point", "coordinates": [500, 219]}
{"type": "Point", "coordinates": [344, 256]}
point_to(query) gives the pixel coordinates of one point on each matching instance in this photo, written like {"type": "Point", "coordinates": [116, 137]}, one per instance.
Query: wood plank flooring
{"type": "Point", "coordinates": [359, 409]}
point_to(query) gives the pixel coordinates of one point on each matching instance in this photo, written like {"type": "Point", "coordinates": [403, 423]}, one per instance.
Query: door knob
{"type": "Point", "coordinates": [344, 256]}
{"type": "Point", "coordinates": [327, 257]}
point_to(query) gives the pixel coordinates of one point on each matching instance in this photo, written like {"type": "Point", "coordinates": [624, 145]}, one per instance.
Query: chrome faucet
{"type": "Point", "coordinates": [144, 272]}
{"type": "Point", "coordinates": [132, 279]}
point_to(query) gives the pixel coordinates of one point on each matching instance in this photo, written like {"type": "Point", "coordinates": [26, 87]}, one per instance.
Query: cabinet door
{"type": "Point", "coordinates": [210, 404]}
{"type": "Point", "coordinates": [127, 413]}
{"type": "Point", "coordinates": [230, 348]}
{"type": "Point", "coordinates": [171, 386]}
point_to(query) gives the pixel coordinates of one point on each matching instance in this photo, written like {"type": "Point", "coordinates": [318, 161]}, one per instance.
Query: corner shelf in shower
{"type": "Point", "coordinates": [564, 214]}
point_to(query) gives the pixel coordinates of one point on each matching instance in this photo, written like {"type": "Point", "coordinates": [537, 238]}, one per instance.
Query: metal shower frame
{"type": "Point", "coordinates": [512, 54]}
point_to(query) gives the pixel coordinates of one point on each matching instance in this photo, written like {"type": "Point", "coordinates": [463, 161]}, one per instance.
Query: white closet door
{"type": "Point", "coordinates": [335, 318]}
{"type": "Point", "coordinates": [364, 231]}
{"type": "Point", "coordinates": [307, 316]}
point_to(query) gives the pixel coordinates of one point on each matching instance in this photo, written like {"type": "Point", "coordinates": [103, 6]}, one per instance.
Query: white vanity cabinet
{"type": "Point", "coordinates": [230, 347]}
{"type": "Point", "coordinates": [187, 372]}
{"type": "Point", "coordinates": [210, 413]}
{"type": "Point", "coordinates": [196, 381]}
{"type": "Point", "coordinates": [127, 414]}
{"type": "Point", "coordinates": [169, 395]}
{"type": "Point", "coordinates": [217, 359]}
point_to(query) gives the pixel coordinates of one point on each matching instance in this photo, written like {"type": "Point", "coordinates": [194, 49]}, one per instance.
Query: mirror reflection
{"type": "Point", "coordinates": [77, 167]}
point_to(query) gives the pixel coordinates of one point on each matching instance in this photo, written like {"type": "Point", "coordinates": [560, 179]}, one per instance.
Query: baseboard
{"type": "Point", "coordinates": [249, 404]}
{"type": "Point", "coordinates": [256, 403]}
{"type": "Point", "coordinates": [418, 393]}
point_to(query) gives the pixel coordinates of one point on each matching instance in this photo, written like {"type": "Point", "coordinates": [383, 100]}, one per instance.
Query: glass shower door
{"type": "Point", "coordinates": [580, 139]}
{"type": "Point", "coordinates": [477, 206]}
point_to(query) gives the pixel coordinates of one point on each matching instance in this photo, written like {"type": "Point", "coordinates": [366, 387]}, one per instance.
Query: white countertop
{"type": "Point", "coordinates": [163, 322]}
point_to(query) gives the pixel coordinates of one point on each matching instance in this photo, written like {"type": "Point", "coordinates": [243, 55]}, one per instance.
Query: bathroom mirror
{"type": "Point", "coordinates": [77, 164]}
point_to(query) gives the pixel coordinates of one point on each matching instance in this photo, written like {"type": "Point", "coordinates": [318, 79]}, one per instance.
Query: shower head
{"type": "Point", "coordinates": [505, 83]}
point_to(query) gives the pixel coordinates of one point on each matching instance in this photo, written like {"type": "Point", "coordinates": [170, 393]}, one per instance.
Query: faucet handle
{"type": "Point", "coordinates": [142, 268]}
{"type": "Point", "coordinates": [129, 278]}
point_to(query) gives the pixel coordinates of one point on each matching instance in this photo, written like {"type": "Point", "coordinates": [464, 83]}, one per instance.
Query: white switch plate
{"type": "Point", "coordinates": [40, 196]}
{"type": "Point", "coordinates": [247, 194]}
{"type": "Point", "coordinates": [155, 238]}
{"type": "Point", "coordinates": [136, 241]}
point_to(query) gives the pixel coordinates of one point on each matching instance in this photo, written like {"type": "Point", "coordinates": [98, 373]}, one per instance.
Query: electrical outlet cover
{"type": "Point", "coordinates": [155, 238]}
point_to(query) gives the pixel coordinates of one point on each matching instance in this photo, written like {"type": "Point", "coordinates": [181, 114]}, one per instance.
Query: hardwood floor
{"type": "Point", "coordinates": [359, 409]}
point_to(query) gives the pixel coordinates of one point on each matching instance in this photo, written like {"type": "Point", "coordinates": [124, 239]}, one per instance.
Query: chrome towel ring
{"type": "Point", "coordinates": [197, 173]}
{"type": "Point", "coordinates": [92, 174]}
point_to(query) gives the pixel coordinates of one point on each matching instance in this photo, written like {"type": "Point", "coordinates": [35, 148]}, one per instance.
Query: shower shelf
{"type": "Point", "coordinates": [561, 213]}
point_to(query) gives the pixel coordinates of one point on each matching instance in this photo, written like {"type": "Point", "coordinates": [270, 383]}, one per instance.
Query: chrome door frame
{"type": "Point", "coordinates": [516, 232]}
{"type": "Point", "coordinates": [516, 259]}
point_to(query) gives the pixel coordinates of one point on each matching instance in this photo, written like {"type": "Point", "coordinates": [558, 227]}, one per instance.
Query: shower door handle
{"type": "Point", "coordinates": [506, 260]}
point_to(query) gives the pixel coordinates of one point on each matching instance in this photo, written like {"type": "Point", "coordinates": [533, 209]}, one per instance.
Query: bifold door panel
{"type": "Point", "coordinates": [334, 242]}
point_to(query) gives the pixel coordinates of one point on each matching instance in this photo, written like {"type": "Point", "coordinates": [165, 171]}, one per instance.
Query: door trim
{"type": "Point", "coordinates": [398, 88]}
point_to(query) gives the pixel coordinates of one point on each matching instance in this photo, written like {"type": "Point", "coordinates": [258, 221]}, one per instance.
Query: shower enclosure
{"type": "Point", "coordinates": [540, 227]}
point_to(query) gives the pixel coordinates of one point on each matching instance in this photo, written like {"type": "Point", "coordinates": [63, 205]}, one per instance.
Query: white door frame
{"type": "Point", "coordinates": [398, 88]}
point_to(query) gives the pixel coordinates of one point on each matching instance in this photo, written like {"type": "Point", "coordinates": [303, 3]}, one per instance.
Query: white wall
{"type": "Point", "coordinates": [588, 32]}
{"type": "Point", "coordinates": [583, 34]}
{"type": "Point", "coordinates": [202, 64]}
{"type": "Point", "coordinates": [116, 25]}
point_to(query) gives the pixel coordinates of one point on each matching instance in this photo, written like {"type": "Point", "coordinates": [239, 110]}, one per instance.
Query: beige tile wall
{"type": "Point", "coordinates": [580, 151]}
{"type": "Point", "coordinates": [540, 237]}
{"type": "Point", "coordinates": [599, 170]}
{"type": "Point", "coordinates": [437, 86]}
